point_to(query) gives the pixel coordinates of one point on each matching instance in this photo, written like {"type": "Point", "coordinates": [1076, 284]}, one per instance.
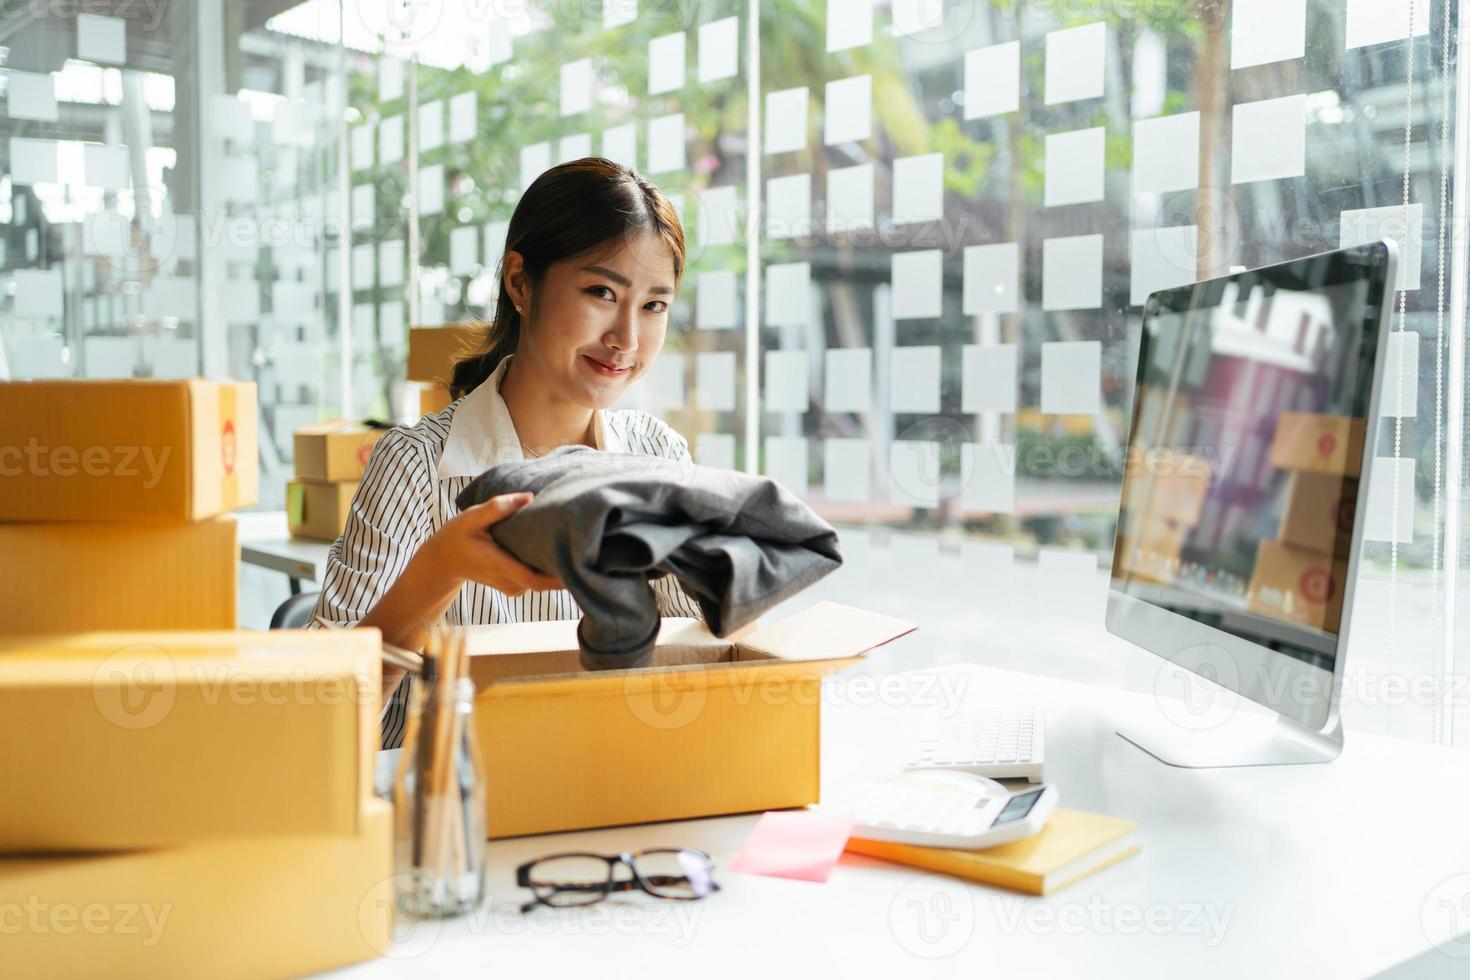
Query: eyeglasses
{"type": "Point", "coordinates": [566, 880]}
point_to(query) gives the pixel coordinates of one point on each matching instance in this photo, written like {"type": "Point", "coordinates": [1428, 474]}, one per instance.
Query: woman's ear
{"type": "Point", "coordinates": [515, 282]}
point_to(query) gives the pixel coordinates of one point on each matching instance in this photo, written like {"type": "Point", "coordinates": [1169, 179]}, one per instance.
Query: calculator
{"type": "Point", "coordinates": [1002, 743]}
{"type": "Point", "coordinates": [942, 808]}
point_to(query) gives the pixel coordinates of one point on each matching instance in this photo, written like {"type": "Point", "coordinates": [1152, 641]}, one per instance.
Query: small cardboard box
{"type": "Point", "coordinates": [126, 450]}
{"type": "Point", "coordinates": [318, 510]}
{"type": "Point", "coordinates": [1319, 512]}
{"type": "Point", "coordinates": [1298, 586]}
{"type": "Point", "coordinates": [254, 907]}
{"type": "Point", "coordinates": [1318, 443]}
{"type": "Point", "coordinates": [335, 451]}
{"type": "Point", "coordinates": [1151, 550]}
{"type": "Point", "coordinates": [1168, 486]}
{"type": "Point", "coordinates": [434, 398]}
{"type": "Point", "coordinates": [158, 739]}
{"type": "Point", "coordinates": [68, 578]}
{"type": "Point", "coordinates": [432, 351]}
{"type": "Point", "coordinates": [712, 727]}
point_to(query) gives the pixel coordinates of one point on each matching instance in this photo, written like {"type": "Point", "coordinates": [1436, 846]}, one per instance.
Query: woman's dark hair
{"type": "Point", "coordinates": [570, 210]}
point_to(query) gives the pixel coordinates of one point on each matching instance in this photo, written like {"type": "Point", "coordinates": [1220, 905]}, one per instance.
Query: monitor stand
{"type": "Point", "coordinates": [1253, 740]}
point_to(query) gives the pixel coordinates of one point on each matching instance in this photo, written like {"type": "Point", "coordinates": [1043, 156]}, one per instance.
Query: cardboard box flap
{"type": "Point", "coordinates": [824, 631]}
{"type": "Point", "coordinates": [549, 648]}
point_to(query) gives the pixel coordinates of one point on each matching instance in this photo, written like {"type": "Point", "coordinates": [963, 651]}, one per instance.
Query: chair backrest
{"type": "Point", "coordinates": [295, 612]}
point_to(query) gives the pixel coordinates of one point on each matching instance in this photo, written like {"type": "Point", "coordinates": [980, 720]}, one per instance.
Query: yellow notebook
{"type": "Point", "coordinates": [1072, 846]}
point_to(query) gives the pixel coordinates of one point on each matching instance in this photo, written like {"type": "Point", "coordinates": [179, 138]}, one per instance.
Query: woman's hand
{"type": "Point", "coordinates": [464, 550]}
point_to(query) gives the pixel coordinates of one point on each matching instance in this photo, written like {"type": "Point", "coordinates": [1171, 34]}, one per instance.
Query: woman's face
{"type": "Point", "coordinates": [598, 323]}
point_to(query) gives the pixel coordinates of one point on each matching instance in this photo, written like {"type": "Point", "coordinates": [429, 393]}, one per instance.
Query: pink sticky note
{"type": "Point", "coordinates": [801, 844]}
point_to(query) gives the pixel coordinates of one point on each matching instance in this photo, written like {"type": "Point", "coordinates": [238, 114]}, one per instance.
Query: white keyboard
{"type": "Point", "coordinates": [1001, 743]}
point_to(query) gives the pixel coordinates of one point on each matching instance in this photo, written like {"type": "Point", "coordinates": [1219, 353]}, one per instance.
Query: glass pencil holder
{"type": "Point", "coordinates": [439, 804]}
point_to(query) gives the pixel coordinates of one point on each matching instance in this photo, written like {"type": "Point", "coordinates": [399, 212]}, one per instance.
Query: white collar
{"type": "Point", "coordinates": [482, 434]}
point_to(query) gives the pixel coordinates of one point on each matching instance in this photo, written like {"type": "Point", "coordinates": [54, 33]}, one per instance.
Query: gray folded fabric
{"type": "Point", "coordinates": [607, 524]}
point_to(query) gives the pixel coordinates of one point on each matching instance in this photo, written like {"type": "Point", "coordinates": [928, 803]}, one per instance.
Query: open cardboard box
{"type": "Point", "coordinates": [712, 727]}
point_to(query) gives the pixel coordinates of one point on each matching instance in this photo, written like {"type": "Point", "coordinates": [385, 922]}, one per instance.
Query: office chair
{"type": "Point", "coordinates": [295, 612]}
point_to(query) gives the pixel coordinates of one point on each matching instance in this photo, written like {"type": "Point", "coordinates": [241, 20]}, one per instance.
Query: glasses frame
{"type": "Point", "coordinates": [637, 882]}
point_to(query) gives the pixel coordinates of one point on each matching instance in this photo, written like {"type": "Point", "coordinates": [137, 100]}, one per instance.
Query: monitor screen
{"type": "Point", "coordinates": [1246, 445]}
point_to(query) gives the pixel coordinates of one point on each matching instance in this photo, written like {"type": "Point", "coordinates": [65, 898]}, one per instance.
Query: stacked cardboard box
{"type": "Point", "coordinates": [432, 353]}
{"type": "Point", "coordinates": [330, 460]}
{"type": "Point", "coordinates": [203, 803]}
{"type": "Point", "coordinates": [115, 500]}
{"type": "Point", "coordinates": [1300, 575]}
{"type": "Point", "coordinates": [1168, 490]}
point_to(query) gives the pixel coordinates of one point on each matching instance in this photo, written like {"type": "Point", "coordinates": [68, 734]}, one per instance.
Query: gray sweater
{"type": "Point", "coordinates": [606, 524]}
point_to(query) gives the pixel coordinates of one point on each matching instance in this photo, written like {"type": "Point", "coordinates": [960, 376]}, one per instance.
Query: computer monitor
{"type": "Point", "coordinates": [1240, 523]}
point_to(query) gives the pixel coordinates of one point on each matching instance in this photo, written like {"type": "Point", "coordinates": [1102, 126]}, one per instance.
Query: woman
{"type": "Point", "coordinates": [593, 258]}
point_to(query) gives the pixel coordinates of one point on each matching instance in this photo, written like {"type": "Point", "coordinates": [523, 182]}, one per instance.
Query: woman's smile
{"type": "Point", "coordinates": [607, 369]}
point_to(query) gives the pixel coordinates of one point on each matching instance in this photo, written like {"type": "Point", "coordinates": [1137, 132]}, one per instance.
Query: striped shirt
{"type": "Point", "coordinates": [407, 493]}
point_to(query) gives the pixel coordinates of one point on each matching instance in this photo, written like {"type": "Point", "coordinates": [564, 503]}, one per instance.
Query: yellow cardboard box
{"type": "Point", "coordinates": [1297, 586]}
{"type": "Point", "coordinates": [432, 351]}
{"type": "Point", "coordinates": [126, 450]}
{"type": "Point", "coordinates": [1151, 550]}
{"type": "Point", "coordinates": [254, 907]}
{"type": "Point", "coordinates": [712, 727]}
{"type": "Point", "coordinates": [156, 739]}
{"type": "Point", "coordinates": [318, 510]}
{"type": "Point", "coordinates": [1168, 485]}
{"type": "Point", "coordinates": [68, 578]}
{"type": "Point", "coordinates": [335, 451]}
{"type": "Point", "coordinates": [434, 398]}
{"type": "Point", "coordinates": [1319, 512]}
{"type": "Point", "coordinates": [1318, 443]}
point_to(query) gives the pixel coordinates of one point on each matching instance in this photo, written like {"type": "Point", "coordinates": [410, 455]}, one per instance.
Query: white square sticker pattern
{"type": "Point", "coordinates": [1382, 21]}
{"type": "Point", "coordinates": [1266, 31]}
{"type": "Point", "coordinates": [988, 376]}
{"type": "Point", "coordinates": [1075, 60]}
{"type": "Point", "coordinates": [993, 80]}
{"type": "Point", "coordinates": [847, 114]}
{"type": "Point", "coordinates": [715, 299]}
{"type": "Point", "coordinates": [1166, 154]}
{"type": "Point", "coordinates": [1071, 377]}
{"type": "Point", "coordinates": [849, 24]}
{"type": "Point", "coordinates": [988, 478]}
{"type": "Point", "coordinates": [1071, 273]}
{"type": "Point", "coordinates": [789, 206]}
{"type": "Point", "coordinates": [1074, 167]}
{"type": "Point", "coordinates": [848, 385]}
{"type": "Point", "coordinates": [1269, 140]}
{"type": "Point", "coordinates": [787, 387]}
{"type": "Point", "coordinates": [786, 120]}
{"type": "Point", "coordinates": [788, 294]}
{"type": "Point", "coordinates": [847, 470]}
{"type": "Point", "coordinates": [718, 216]}
{"type": "Point", "coordinates": [719, 49]}
{"type": "Point", "coordinates": [918, 280]}
{"type": "Point", "coordinates": [915, 476]}
{"type": "Point", "coordinates": [918, 188]}
{"type": "Point", "coordinates": [850, 198]}
{"type": "Point", "coordinates": [914, 381]}
{"type": "Point", "coordinates": [992, 276]}
{"type": "Point", "coordinates": [714, 380]}
{"type": "Point", "coordinates": [1162, 258]}
{"type": "Point", "coordinates": [786, 462]}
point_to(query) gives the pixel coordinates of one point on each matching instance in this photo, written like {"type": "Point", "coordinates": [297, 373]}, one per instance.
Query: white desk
{"type": "Point", "coordinates": [1256, 873]}
{"type": "Point", "coordinates": [265, 541]}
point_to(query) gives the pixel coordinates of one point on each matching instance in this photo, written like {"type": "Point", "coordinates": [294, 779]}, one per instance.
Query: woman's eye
{"type": "Point", "coordinates": [657, 306]}
{"type": "Point", "coordinates": [601, 292]}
